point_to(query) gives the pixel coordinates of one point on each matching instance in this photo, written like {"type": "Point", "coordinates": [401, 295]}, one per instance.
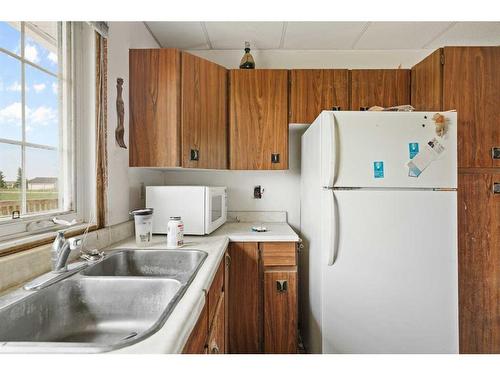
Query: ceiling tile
{"type": "Point", "coordinates": [400, 35]}
{"type": "Point", "coordinates": [322, 35]}
{"type": "Point", "coordinates": [469, 33]}
{"type": "Point", "coordinates": [184, 35]}
{"type": "Point", "coordinates": [232, 35]}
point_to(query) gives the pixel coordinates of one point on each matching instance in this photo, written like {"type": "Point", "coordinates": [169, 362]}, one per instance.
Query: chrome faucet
{"type": "Point", "coordinates": [61, 249]}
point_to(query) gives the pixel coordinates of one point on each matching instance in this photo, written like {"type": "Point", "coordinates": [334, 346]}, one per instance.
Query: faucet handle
{"type": "Point", "coordinates": [74, 243]}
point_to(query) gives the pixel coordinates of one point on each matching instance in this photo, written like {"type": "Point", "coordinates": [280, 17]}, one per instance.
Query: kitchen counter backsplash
{"type": "Point", "coordinates": [18, 268]}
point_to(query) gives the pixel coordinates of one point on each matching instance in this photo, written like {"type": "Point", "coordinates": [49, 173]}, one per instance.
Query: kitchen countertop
{"type": "Point", "coordinates": [172, 337]}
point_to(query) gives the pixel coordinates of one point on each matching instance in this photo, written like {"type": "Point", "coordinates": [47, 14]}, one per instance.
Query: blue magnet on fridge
{"type": "Point", "coordinates": [378, 169]}
{"type": "Point", "coordinates": [413, 149]}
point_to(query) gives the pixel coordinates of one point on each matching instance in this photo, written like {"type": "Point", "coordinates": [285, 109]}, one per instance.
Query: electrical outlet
{"type": "Point", "coordinates": [258, 191]}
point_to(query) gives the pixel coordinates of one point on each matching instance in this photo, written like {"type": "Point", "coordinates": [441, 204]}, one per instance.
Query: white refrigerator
{"type": "Point", "coordinates": [379, 267]}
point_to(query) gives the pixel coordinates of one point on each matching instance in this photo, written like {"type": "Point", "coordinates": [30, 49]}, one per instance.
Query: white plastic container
{"type": "Point", "coordinates": [143, 219]}
{"type": "Point", "coordinates": [175, 232]}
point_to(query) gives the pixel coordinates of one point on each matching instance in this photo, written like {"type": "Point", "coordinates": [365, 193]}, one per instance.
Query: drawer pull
{"type": "Point", "coordinates": [281, 286]}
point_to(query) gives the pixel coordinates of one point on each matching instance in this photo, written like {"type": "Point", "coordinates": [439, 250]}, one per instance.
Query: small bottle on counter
{"type": "Point", "coordinates": [175, 232]}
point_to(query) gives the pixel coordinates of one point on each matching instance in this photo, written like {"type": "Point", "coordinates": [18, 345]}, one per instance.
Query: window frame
{"type": "Point", "coordinates": [77, 147]}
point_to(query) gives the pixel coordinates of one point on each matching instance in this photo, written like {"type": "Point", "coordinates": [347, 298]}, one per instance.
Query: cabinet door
{"type": "Point", "coordinates": [280, 311]}
{"type": "Point", "coordinates": [258, 120]}
{"type": "Point", "coordinates": [315, 90]}
{"type": "Point", "coordinates": [381, 87]}
{"type": "Point", "coordinates": [244, 298]}
{"type": "Point", "coordinates": [154, 103]}
{"type": "Point", "coordinates": [216, 338]}
{"type": "Point", "coordinates": [204, 113]}
{"type": "Point", "coordinates": [427, 83]}
{"type": "Point", "coordinates": [197, 342]}
{"type": "Point", "coordinates": [471, 86]}
{"type": "Point", "coordinates": [479, 262]}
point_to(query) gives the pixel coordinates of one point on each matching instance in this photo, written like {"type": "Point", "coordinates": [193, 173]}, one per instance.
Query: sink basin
{"type": "Point", "coordinates": [178, 264]}
{"type": "Point", "coordinates": [116, 302]}
{"type": "Point", "coordinates": [101, 311]}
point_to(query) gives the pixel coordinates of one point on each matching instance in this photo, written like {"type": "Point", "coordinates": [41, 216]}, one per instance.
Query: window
{"type": "Point", "coordinates": [36, 128]}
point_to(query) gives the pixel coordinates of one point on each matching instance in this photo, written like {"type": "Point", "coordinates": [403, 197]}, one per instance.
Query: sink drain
{"type": "Point", "coordinates": [130, 335]}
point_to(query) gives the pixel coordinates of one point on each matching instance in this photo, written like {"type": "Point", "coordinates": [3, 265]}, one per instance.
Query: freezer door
{"type": "Point", "coordinates": [393, 287]}
{"type": "Point", "coordinates": [372, 149]}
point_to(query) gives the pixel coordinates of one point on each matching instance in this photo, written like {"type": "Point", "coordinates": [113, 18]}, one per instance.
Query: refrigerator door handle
{"type": "Point", "coordinates": [334, 231]}
{"type": "Point", "coordinates": [329, 140]}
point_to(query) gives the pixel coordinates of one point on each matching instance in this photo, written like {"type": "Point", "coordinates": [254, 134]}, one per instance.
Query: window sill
{"type": "Point", "coordinates": [28, 242]}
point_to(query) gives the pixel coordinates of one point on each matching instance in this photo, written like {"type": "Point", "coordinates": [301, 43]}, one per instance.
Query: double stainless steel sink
{"type": "Point", "coordinates": [116, 302]}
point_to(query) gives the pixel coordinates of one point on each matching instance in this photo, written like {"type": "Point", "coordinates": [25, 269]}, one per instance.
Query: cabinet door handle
{"type": "Point", "coordinates": [281, 286]}
{"type": "Point", "coordinates": [496, 188]}
{"type": "Point", "coordinates": [495, 153]}
{"type": "Point", "coordinates": [195, 154]}
{"type": "Point", "coordinates": [215, 349]}
{"type": "Point", "coordinates": [228, 260]}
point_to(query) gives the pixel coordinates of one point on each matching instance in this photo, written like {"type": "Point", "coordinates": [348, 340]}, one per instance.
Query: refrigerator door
{"type": "Point", "coordinates": [372, 149]}
{"type": "Point", "coordinates": [393, 287]}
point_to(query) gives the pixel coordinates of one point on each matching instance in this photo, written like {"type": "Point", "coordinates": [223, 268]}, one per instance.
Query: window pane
{"type": "Point", "coordinates": [10, 179]}
{"type": "Point", "coordinates": [10, 36]}
{"type": "Point", "coordinates": [42, 111]}
{"type": "Point", "coordinates": [40, 45]}
{"type": "Point", "coordinates": [42, 168]}
{"type": "Point", "coordinates": [10, 98]}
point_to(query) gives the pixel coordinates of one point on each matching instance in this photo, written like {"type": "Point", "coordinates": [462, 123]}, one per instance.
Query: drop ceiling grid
{"type": "Point", "coordinates": [324, 35]}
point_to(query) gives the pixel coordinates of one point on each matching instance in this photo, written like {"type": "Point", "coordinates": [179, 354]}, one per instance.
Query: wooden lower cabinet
{"type": "Point", "coordinates": [244, 298]}
{"type": "Point", "coordinates": [217, 336]}
{"type": "Point", "coordinates": [197, 342]}
{"type": "Point", "coordinates": [263, 308]}
{"type": "Point", "coordinates": [479, 261]}
{"type": "Point", "coordinates": [209, 334]}
{"type": "Point", "coordinates": [280, 311]}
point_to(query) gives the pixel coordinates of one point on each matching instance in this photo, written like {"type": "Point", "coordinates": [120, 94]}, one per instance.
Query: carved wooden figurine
{"type": "Point", "coordinates": [120, 111]}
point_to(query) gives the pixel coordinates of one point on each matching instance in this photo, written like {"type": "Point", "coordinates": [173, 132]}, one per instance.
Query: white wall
{"type": "Point", "coordinates": [304, 59]}
{"type": "Point", "coordinates": [281, 188]}
{"type": "Point", "coordinates": [123, 182]}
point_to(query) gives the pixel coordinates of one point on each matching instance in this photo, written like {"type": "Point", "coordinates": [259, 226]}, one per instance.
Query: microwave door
{"type": "Point", "coordinates": [216, 211]}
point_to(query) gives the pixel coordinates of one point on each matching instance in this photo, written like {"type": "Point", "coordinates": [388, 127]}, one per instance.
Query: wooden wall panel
{"type": "Point", "coordinates": [381, 87]}
{"type": "Point", "coordinates": [154, 124]}
{"type": "Point", "coordinates": [315, 90]}
{"type": "Point", "coordinates": [427, 83]}
{"type": "Point", "coordinates": [204, 113]}
{"type": "Point", "coordinates": [472, 87]}
{"type": "Point", "coordinates": [244, 298]}
{"type": "Point", "coordinates": [479, 262]}
{"type": "Point", "coordinates": [258, 119]}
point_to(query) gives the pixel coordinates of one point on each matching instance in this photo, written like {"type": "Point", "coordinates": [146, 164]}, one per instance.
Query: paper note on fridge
{"type": "Point", "coordinates": [433, 149]}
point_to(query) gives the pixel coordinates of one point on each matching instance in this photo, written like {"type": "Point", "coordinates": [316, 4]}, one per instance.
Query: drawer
{"type": "Point", "coordinates": [279, 254]}
{"type": "Point", "coordinates": [215, 291]}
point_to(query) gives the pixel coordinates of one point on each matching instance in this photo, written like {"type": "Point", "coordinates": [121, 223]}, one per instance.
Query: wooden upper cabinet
{"type": "Point", "coordinates": [258, 119]}
{"type": "Point", "coordinates": [154, 125]}
{"type": "Point", "coordinates": [479, 262]}
{"type": "Point", "coordinates": [471, 85]}
{"type": "Point", "coordinates": [380, 87]}
{"type": "Point", "coordinates": [427, 83]}
{"type": "Point", "coordinates": [204, 113]}
{"type": "Point", "coordinates": [315, 90]}
{"type": "Point", "coordinates": [178, 110]}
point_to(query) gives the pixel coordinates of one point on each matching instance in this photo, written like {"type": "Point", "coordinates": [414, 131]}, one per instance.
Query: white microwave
{"type": "Point", "coordinates": [203, 209]}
